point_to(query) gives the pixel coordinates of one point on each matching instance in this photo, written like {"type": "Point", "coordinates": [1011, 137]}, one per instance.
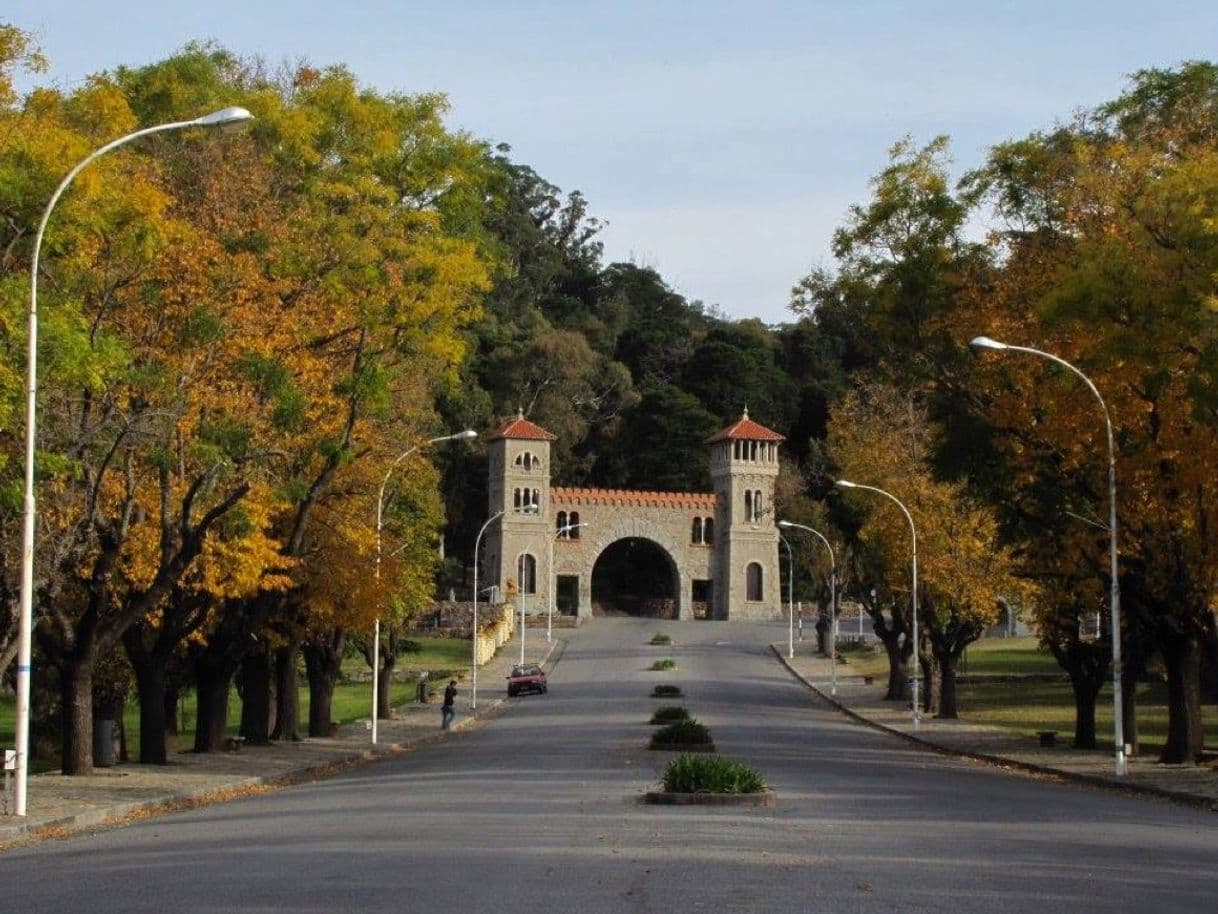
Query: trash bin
{"type": "Point", "coordinates": [105, 743]}
{"type": "Point", "coordinates": [422, 691]}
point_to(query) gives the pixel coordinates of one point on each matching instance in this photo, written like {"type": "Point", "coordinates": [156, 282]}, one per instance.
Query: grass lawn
{"type": "Point", "coordinates": [989, 656]}
{"type": "Point", "coordinates": [1033, 706]}
{"type": "Point", "coordinates": [443, 657]}
{"type": "Point", "coordinates": [1028, 707]}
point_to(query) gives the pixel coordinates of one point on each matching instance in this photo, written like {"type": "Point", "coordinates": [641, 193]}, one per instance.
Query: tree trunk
{"type": "Point", "coordinates": [255, 685]}
{"type": "Point", "coordinates": [287, 694]}
{"type": "Point", "coordinates": [949, 664]}
{"type": "Point", "coordinates": [1182, 659]}
{"type": "Point", "coordinates": [898, 669]}
{"type": "Point", "coordinates": [1134, 667]}
{"type": "Point", "coordinates": [150, 686]}
{"type": "Point", "coordinates": [211, 684]}
{"type": "Point", "coordinates": [384, 710]}
{"type": "Point", "coordinates": [323, 661]}
{"type": "Point", "coordinates": [76, 691]}
{"type": "Point", "coordinates": [931, 670]}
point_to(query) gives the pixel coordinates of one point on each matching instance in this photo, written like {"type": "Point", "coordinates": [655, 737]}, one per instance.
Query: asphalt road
{"type": "Point", "coordinates": [538, 812]}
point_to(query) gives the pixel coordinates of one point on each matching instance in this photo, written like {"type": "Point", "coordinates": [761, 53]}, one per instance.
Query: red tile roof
{"type": "Point", "coordinates": [694, 501]}
{"type": "Point", "coordinates": [746, 428]}
{"type": "Point", "coordinates": [522, 428]}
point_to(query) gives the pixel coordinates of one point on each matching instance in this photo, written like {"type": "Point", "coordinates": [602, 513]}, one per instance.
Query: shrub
{"type": "Point", "coordinates": [660, 638]}
{"type": "Point", "coordinates": [666, 691]}
{"type": "Point", "coordinates": [686, 732]}
{"type": "Point", "coordinates": [666, 664]}
{"type": "Point", "coordinates": [710, 774]}
{"type": "Point", "coordinates": [669, 714]}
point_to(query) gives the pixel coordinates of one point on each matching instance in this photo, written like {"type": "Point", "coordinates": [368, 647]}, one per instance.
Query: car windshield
{"type": "Point", "coordinates": [525, 671]}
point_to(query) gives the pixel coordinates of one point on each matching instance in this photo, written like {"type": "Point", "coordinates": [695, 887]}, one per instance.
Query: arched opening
{"type": "Point", "coordinates": [526, 573]}
{"type": "Point", "coordinates": [635, 577]}
{"type": "Point", "coordinates": [753, 582]}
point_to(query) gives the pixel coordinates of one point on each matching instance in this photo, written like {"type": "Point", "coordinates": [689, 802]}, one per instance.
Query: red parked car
{"type": "Point", "coordinates": [526, 677]}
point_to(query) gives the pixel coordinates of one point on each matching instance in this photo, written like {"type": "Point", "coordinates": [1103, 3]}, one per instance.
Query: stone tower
{"type": "Point", "coordinates": [516, 546]}
{"type": "Point", "coordinates": [744, 467]}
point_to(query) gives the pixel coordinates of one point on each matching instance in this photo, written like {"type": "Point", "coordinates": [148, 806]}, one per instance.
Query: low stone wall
{"type": "Point", "coordinates": [496, 624]}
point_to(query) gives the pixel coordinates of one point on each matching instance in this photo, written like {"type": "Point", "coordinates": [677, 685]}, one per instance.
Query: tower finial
{"type": "Point", "coordinates": [519, 412]}
{"type": "Point", "coordinates": [746, 411]}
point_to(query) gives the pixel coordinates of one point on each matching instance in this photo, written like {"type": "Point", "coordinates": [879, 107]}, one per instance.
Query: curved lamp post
{"type": "Point", "coordinates": [984, 342]}
{"type": "Point", "coordinates": [913, 533]}
{"type": "Point", "coordinates": [473, 704]}
{"type": "Point", "coordinates": [224, 118]}
{"type": "Point", "coordinates": [466, 435]}
{"type": "Point", "coordinates": [832, 596]}
{"type": "Point", "coordinates": [790, 597]}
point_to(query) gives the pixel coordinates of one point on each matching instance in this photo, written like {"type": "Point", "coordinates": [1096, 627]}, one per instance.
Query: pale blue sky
{"type": "Point", "coordinates": [722, 140]}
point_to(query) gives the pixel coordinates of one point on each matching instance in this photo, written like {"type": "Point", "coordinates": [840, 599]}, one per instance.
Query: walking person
{"type": "Point", "coordinates": [447, 711]}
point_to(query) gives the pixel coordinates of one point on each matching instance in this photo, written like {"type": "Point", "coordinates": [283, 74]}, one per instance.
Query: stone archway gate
{"type": "Point", "coordinates": [606, 516]}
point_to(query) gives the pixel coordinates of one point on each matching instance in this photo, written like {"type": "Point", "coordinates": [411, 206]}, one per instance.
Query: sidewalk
{"type": "Point", "coordinates": [1196, 786]}
{"type": "Point", "coordinates": [56, 803]}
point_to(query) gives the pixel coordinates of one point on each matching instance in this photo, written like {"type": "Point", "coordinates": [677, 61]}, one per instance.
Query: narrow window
{"type": "Point", "coordinates": [756, 505]}
{"type": "Point", "coordinates": [560, 524]}
{"type": "Point", "coordinates": [537, 498]}
{"type": "Point", "coordinates": [526, 573]}
{"type": "Point", "coordinates": [748, 505]}
{"type": "Point", "coordinates": [754, 582]}
{"type": "Point", "coordinates": [695, 535]}
{"type": "Point", "coordinates": [519, 459]}
{"type": "Point", "coordinates": [708, 531]}
{"type": "Point", "coordinates": [516, 502]}
{"type": "Point", "coordinates": [574, 521]}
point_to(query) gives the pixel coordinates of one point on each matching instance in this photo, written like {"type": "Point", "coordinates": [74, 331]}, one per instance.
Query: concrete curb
{"type": "Point", "coordinates": [1127, 787]}
{"type": "Point", "coordinates": [22, 832]}
{"type": "Point", "coordinates": [767, 799]}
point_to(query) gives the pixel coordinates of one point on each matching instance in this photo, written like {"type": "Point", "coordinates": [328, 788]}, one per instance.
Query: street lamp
{"type": "Point", "coordinates": [790, 598]}
{"type": "Point", "coordinates": [984, 342]}
{"type": "Point", "coordinates": [832, 597]}
{"type": "Point", "coordinates": [224, 118]}
{"type": "Point", "coordinates": [466, 435]}
{"type": "Point", "coordinates": [553, 577]}
{"type": "Point", "coordinates": [473, 704]}
{"type": "Point", "coordinates": [522, 580]}
{"type": "Point", "coordinates": [913, 533]}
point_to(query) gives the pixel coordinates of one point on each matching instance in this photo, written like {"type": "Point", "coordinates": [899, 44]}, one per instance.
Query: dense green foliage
{"type": "Point", "coordinates": [669, 714]}
{"type": "Point", "coordinates": [710, 774]}
{"type": "Point", "coordinates": [683, 733]}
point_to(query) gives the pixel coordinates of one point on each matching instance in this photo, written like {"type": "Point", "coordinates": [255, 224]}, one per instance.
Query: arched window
{"type": "Point", "coordinates": [695, 535]}
{"type": "Point", "coordinates": [560, 524]}
{"type": "Point", "coordinates": [526, 573]}
{"type": "Point", "coordinates": [536, 499]}
{"type": "Point", "coordinates": [708, 531]}
{"type": "Point", "coordinates": [573, 520]}
{"type": "Point", "coordinates": [748, 505]}
{"type": "Point", "coordinates": [519, 460]}
{"type": "Point", "coordinates": [753, 582]}
{"type": "Point", "coordinates": [517, 502]}
{"type": "Point", "coordinates": [536, 461]}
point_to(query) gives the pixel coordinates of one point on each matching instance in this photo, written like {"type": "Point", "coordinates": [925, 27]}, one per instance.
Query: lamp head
{"type": "Point", "coordinates": [784, 523]}
{"type": "Point", "coordinates": [846, 484]}
{"type": "Point", "coordinates": [984, 342]}
{"type": "Point", "coordinates": [468, 435]}
{"type": "Point", "coordinates": [227, 119]}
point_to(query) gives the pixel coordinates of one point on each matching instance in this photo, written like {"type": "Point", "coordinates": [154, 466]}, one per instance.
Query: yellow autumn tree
{"type": "Point", "coordinates": [882, 438]}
